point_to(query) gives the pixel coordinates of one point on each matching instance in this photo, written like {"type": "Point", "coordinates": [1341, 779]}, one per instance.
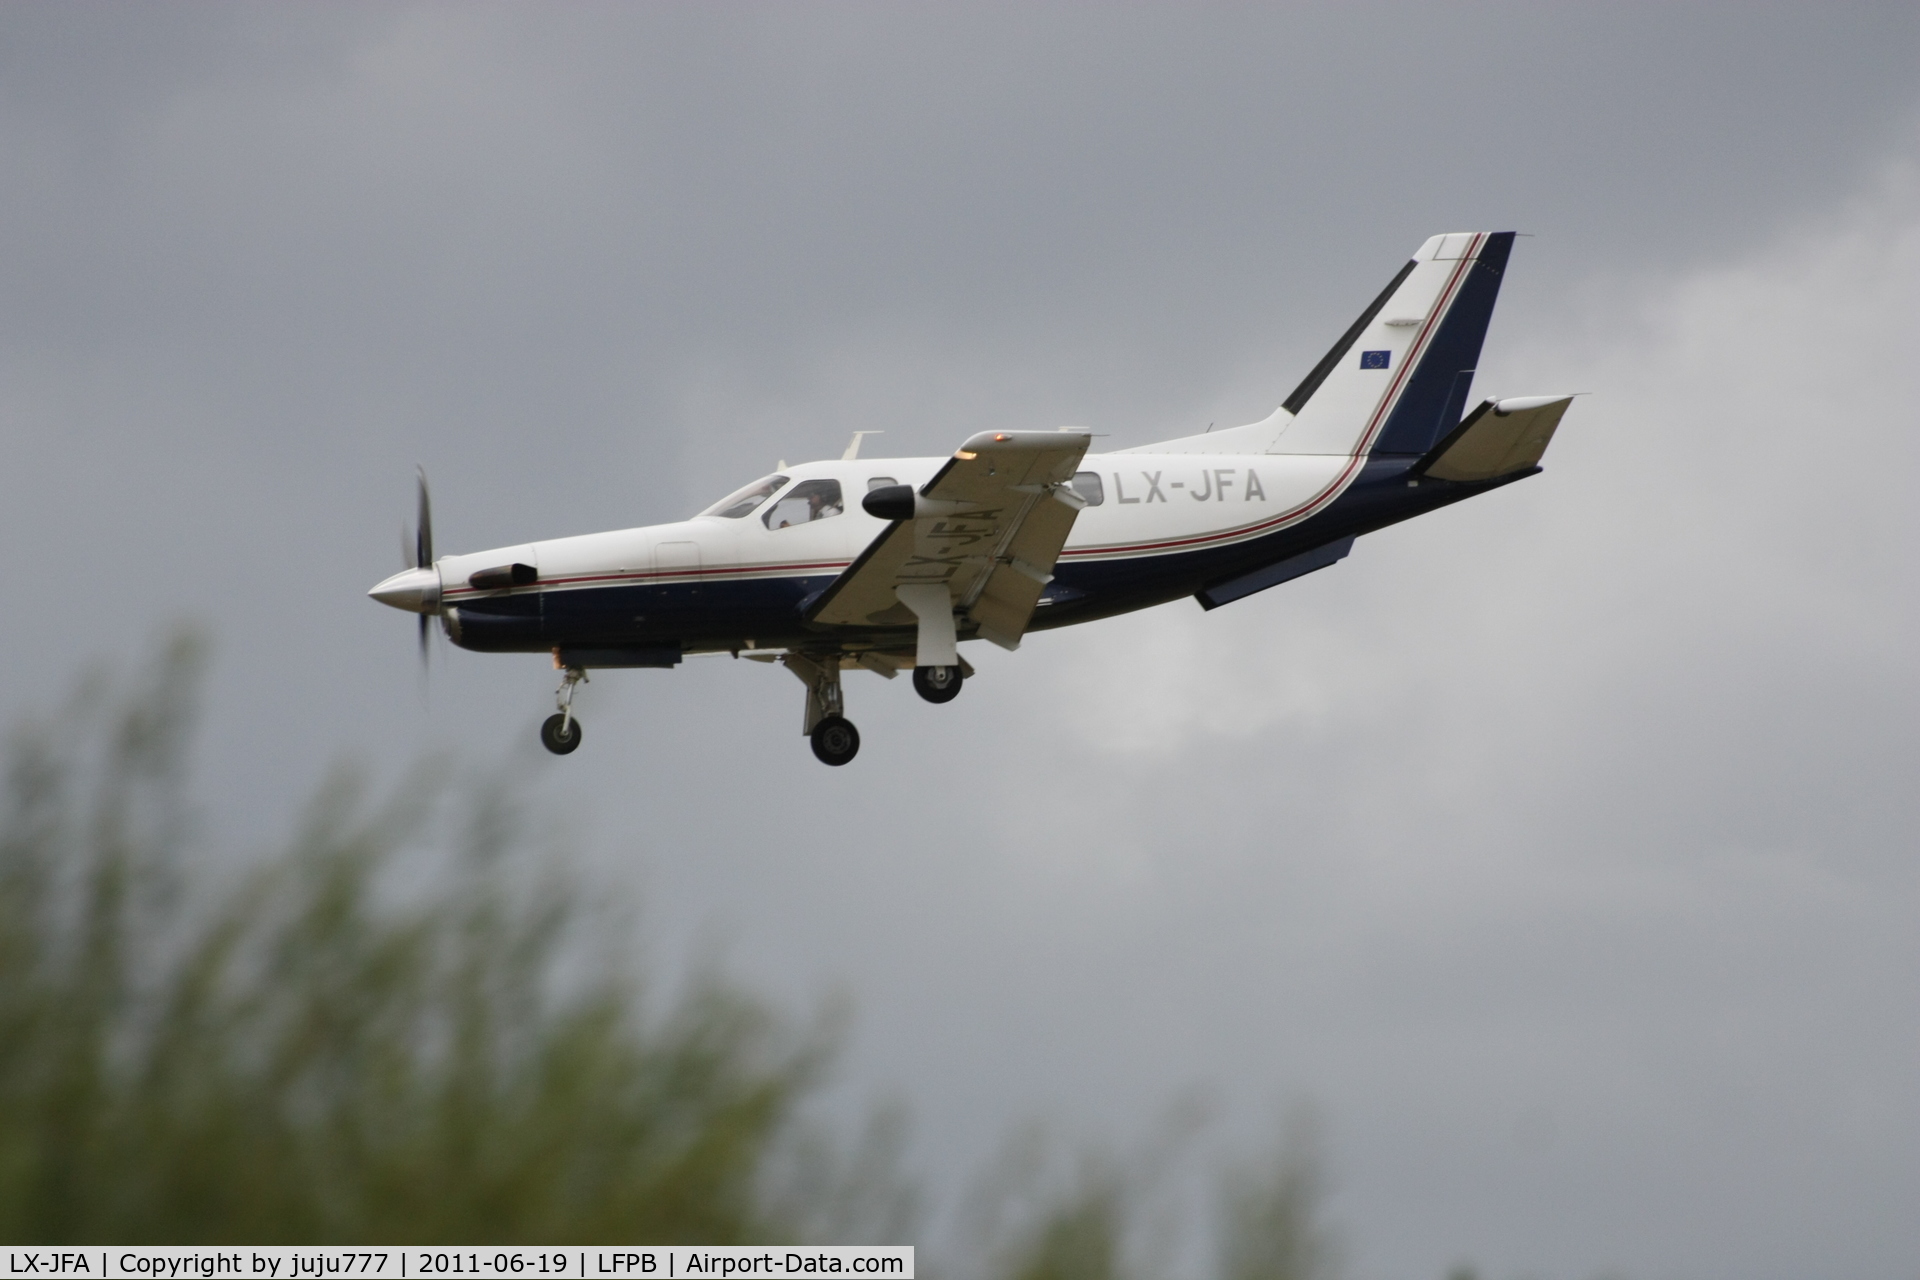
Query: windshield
{"type": "Point", "coordinates": [736, 505]}
{"type": "Point", "coordinates": [806, 502]}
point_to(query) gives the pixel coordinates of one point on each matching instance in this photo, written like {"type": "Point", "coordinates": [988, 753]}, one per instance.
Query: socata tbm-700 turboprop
{"type": "Point", "coordinates": [888, 564]}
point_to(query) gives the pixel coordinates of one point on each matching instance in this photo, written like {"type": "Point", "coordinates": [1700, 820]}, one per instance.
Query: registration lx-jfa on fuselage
{"type": "Point", "coordinates": [890, 564]}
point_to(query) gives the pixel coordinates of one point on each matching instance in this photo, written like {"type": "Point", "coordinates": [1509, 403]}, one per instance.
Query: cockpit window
{"type": "Point", "coordinates": [807, 501]}
{"type": "Point", "coordinates": [736, 505]}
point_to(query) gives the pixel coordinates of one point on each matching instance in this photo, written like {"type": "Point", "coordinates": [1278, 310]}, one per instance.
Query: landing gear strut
{"type": "Point", "coordinates": [561, 733]}
{"type": "Point", "coordinates": [937, 684]}
{"type": "Point", "coordinates": [835, 740]}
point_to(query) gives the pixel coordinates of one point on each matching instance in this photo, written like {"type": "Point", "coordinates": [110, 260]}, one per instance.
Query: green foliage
{"type": "Point", "coordinates": [1107, 1219]}
{"type": "Point", "coordinates": [1273, 1229]}
{"type": "Point", "coordinates": [406, 1028]}
{"type": "Point", "coordinates": [356, 1041]}
{"type": "Point", "coordinates": [1081, 1235]}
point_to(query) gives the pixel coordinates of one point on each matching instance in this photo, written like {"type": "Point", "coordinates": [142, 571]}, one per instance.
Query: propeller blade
{"type": "Point", "coordinates": [424, 647]}
{"type": "Point", "coordinates": [423, 532]}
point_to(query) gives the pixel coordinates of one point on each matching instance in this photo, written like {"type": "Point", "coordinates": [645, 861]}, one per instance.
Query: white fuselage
{"type": "Point", "coordinates": [1145, 505]}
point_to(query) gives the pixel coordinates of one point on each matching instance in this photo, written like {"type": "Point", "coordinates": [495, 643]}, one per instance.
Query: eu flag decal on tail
{"type": "Point", "coordinates": [1374, 359]}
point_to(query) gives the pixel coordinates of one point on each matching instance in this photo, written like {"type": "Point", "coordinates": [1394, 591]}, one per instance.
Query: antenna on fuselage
{"type": "Point", "coordinates": [853, 445]}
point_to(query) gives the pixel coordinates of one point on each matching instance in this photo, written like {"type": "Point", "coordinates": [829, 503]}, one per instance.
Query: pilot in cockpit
{"type": "Point", "coordinates": [821, 503]}
{"type": "Point", "coordinates": [806, 502]}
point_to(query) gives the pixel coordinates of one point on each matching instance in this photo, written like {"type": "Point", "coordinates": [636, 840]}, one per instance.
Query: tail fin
{"type": "Point", "coordinates": [1418, 345]}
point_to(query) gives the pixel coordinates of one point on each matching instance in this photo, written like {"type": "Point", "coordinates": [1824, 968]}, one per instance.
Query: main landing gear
{"type": "Point", "coordinates": [561, 733]}
{"type": "Point", "coordinates": [937, 684]}
{"type": "Point", "coordinates": [835, 740]}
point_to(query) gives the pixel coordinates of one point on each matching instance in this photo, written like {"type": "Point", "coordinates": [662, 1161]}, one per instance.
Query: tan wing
{"type": "Point", "coordinates": [989, 527]}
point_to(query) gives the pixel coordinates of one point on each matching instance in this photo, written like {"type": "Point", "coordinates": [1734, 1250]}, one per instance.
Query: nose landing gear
{"type": "Point", "coordinates": [561, 733]}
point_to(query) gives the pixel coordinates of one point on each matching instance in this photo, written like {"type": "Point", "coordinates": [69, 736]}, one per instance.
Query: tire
{"type": "Point", "coordinates": [835, 740]}
{"type": "Point", "coordinates": [937, 684]}
{"type": "Point", "coordinates": [551, 739]}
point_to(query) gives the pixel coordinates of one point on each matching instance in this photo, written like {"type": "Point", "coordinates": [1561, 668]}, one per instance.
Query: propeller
{"type": "Point", "coordinates": [422, 549]}
{"type": "Point", "coordinates": [416, 588]}
{"type": "Point", "coordinates": [423, 532]}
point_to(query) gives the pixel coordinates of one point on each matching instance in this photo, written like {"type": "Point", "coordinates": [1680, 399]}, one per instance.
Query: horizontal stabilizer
{"type": "Point", "coordinates": [1496, 439]}
{"type": "Point", "coordinates": [1273, 575]}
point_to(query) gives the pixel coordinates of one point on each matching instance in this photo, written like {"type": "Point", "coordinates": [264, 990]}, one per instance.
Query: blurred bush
{"type": "Point", "coordinates": [394, 1030]}
{"type": "Point", "coordinates": [1273, 1228]}
{"type": "Point", "coordinates": [406, 1027]}
{"type": "Point", "coordinates": [1106, 1218]}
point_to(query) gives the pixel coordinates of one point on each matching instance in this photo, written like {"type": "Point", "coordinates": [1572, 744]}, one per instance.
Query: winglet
{"type": "Point", "coordinates": [853, 446]}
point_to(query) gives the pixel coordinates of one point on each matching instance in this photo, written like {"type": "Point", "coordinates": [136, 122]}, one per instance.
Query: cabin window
{"type": "Point", "coordinates": [741, 503]}
{"type": "Point", "coordinates": [806, 502]}
{"type": "Point", "coordinates": [880, 482]}
{"type": "Point", "coordinates": [1087, 485]}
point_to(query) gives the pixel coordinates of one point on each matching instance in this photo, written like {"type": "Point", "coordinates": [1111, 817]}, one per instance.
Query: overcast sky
{"type": "Point", "coordinates": [1559, 847]}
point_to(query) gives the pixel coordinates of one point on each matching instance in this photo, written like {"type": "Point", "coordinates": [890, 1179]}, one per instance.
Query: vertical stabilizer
{"type": "Point", "coordinates": [1399, 378]}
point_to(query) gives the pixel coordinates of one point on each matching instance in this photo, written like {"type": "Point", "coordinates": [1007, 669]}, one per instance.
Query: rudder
{"type": "Point", "coordinates": [1418, 346]}
{"type": "Point", "coordinates": [1435, 397]}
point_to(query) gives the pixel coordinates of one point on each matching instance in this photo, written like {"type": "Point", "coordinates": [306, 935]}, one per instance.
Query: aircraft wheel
{"type": "Point", "coordinates": [835, 740]}
{"type": "Point", "coordinates": [553, 740]}
{"type": "Point", "coordinates": [937, 684]}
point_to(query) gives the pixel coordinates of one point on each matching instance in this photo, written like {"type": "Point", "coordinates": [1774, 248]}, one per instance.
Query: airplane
{"type": "Point", "coordinates": [890, 564]}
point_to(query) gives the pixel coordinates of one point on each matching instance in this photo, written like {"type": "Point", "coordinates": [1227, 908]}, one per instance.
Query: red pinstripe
{"type": "Point", "coordinates": [714, 571]}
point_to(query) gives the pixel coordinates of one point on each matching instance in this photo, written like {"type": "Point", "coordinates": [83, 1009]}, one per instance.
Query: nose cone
{"type": "Point", "coordinates": [415, 590]}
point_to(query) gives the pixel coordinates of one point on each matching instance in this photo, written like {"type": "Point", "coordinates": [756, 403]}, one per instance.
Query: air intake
{"type": "Point", "coordinates": [507, 575]}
